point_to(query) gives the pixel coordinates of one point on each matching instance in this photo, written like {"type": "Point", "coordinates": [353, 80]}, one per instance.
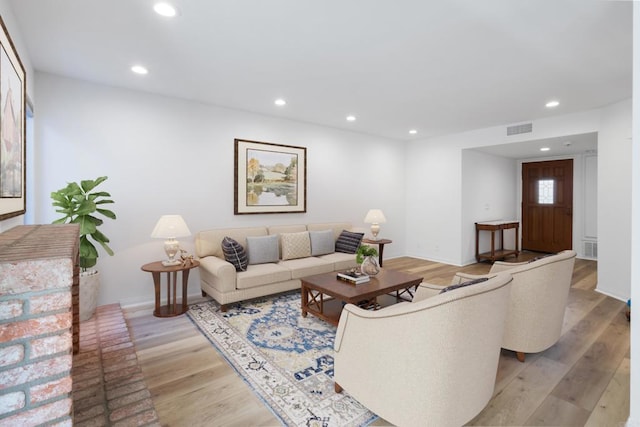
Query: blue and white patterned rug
{"type": "Point", "coordinates": [287, 359]}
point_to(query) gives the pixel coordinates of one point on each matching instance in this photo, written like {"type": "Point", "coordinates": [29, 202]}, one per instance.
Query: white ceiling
{"type": "Point", "coordinates": [437, 66]}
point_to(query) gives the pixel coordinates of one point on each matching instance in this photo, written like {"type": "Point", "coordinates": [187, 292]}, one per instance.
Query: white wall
{"type": "Point", "coordinates": [166, 155]}
{"type": "Point", "coordinates": [488, 193]}
{"type": "Point", "coordinates": [14, 31]}
{"type": "Point", "coordinates": [434, 183]}
{"type": "Point", "coordinates": [614, 201]}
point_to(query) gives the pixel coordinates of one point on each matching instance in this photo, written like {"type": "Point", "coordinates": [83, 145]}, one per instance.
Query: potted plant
{"type": "Point", "coordinates": [80, 204]}
{"type": "Point", "coordinates": [365, 256]}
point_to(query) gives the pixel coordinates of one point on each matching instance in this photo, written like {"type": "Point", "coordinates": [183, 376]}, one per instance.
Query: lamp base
{"type": "Point", "coordinates": [169, 263]}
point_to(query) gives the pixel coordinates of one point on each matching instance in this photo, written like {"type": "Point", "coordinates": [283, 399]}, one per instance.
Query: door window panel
{"type": "Point", "coordinates": [545, 191]}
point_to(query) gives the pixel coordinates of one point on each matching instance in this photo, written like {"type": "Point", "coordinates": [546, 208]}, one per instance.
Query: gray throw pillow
{"type": "Point", "coordinates": [263, 249]}
{"type": "Point", "coordinates": [234, 253]}
{"type": "Point", "coordinates": [464, 284]}
{"type": "Point", "coordinates": [348, 242]}
{"type": "Point", "coordinates": [321, 242]}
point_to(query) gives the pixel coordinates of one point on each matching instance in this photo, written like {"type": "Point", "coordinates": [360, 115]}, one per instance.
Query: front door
{"type": "Point", "coordinates": [547, 205]}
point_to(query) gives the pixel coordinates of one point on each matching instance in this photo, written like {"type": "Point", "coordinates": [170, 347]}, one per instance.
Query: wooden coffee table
{"type": "Point", "coordinates": [323, 295]}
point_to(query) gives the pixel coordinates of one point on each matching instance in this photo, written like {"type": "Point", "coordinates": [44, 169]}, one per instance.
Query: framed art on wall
{"type": "Point", "coordinates": [12, 129]}
{"type": "Point", "coordinates": [269, 178]}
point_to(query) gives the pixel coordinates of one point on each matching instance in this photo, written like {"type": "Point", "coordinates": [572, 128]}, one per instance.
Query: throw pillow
{"type": "Point", "coordinates": [321, 242]}
{"type": "Point", "coordinates": [463, 284]}
{"type": "Point", "coordinates": [348, 242]}
{"type": "Point", "coordinates": [263, 249]}
{"type": "Point", "coordinates": [295, 245]}
{"type": "Point", "coordinates": [234, 253]}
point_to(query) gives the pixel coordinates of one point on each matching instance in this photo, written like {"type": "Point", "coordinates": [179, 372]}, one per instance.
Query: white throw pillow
{"type": "Point", "coordinates": [295, 245]}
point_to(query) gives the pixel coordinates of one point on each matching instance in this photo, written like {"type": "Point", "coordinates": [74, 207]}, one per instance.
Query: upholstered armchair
{"type": "Point", "coordinates": [538, 301]}
{"type": "Point", "coordinates": [432, 361]}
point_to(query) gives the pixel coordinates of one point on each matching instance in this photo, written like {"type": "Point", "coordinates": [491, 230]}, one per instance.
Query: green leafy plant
{"type": "Point", "coordinates": [79, 205]}
{"type": "Point", "coordinates": [365, 251]}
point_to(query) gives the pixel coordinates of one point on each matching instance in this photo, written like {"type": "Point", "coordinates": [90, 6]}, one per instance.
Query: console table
{"type": "Point", "coordinates": [380, 243]}
{"type": "Point", "coordinates": [496, 253]}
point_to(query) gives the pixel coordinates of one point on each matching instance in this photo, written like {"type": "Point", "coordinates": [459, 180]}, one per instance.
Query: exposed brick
{"type": "Point", "coordinates": [121, 373]}
{"type": "Point", "coordinates": [122, 365]}
{"type": "Point", "coordinates": [10, 309]}
{"type": "Point", "coordinates": [118, 353]}
{"type": "Point", "coordinates": [129, 410]}
{"type": "Point", "coordinates": [32, 371]}
{"type": "Point", "coordinates": [50, 302]}
{"type": "Point", "coordinates": [65, 423]}
{"type": "Point", "coordinates": [96, 390]}
{"type": "Point", "coordinates": [88, 413]}
{"type": "Point", "coordinates": [38, 275]}
{"type": "Point", "coordinates": [126, 389]}
{"type": "Point", "coordinates": [99, 421]}
{"type": "Point", "coordinates": [51, 345]}
{"type": "Point", "coordinates": [42, 392]}
{"type": "Point", "coordinates": [11, 401]}
{"type": "Point", "coordinates": [86, 372]}
{"type": "Point", "coordinates": [41, 414]}
{"type": "Point", "coordinates": [123, 381]}
{"type": "Point", "coordinates": [117, 347]}
{"type": "Point", "coordinates": [34, 327]}
{"type": "Point", "coordinates": [11, 355]}
{"type": "Point", "coordinates": [87, 383]}
{"type": "Point", "coordinates": [129, 399]}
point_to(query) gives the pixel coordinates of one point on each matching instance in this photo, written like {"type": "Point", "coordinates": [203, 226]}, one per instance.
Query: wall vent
{"type": "Point", "coordinates": [517, 129]}
{"type": "Point", "coordinates": [590, 249]}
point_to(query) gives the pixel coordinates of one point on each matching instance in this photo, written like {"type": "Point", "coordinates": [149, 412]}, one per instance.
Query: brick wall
{"type": "Point", "coordinates": [37, 273]}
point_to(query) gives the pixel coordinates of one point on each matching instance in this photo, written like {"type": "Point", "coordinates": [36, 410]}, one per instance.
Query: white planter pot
{"type": "Point", "coordinates": [89, 286]}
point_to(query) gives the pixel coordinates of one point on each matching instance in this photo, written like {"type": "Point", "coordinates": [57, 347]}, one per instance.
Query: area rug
{"type": "Point", "coordinates": [285, 358]}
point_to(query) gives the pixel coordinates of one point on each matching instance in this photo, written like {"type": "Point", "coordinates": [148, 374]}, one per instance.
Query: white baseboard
{"type": "Point", "coordinates": [143, 308]}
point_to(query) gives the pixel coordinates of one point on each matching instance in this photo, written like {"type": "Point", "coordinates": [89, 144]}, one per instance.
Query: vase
{"type": "Point", "coordinates": [89, 287]}
{"type": "Point", "coordinates": [370, 266]}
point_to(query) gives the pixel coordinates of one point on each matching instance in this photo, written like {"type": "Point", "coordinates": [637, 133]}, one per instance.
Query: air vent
{"type": "Point", "coordinates": [517, 129]}
{"type": "Point", "coordinates": [590, 249]}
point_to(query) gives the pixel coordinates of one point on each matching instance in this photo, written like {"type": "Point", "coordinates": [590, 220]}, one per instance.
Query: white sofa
{"type": "Point", "coordinates": [220, 280]}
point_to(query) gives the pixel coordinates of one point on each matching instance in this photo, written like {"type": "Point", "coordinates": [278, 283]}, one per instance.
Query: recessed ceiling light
{"type": "Point", "coordinates": [351, 118]}
{"type": "Point", "coordinates": [545, 149]}
{"type": "Point", "coordinates": [552, 104]}
{"type": "Point", "coordinates": [165, 9]}
{"type": "Point", "coordinates": [280, 102]}
{"type": "Point", "coordinates": [413, 131]}
{"type": "Point", "coordinates": [139, 69]}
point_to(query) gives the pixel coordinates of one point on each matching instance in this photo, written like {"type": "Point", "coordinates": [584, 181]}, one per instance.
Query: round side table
{"type": "Point", "coordinates": [171, 308]}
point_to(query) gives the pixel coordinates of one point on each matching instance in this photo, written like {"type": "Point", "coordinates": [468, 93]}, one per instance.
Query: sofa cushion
{"type": "Point", "coordinates": [234, 253]}
{"type": "Point", "coordinates": [464, 284]}
{"type": "Point", "coordinates": [340, 260]}
{"type": "Point", "coordinates": [263, 249]}
{"type": "Point", "coordinates": [348, 242]}
{"type": "Point", "coordinates": [322, 242]}
{"type": "Point", "coordinates": [295, 245]}
{"type": "Point", "coordinates": [262, 274]}
{"type": "Point", "coordinates": [308, 266]}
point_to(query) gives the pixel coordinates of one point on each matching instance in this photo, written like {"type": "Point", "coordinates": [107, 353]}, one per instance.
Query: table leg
{"type": "Point", "coordinates": [175, 293]}
{"type": "Point", "coordinates": [493, 245]}
{"type": "Point", "coordinates": [156, 285]}
{"type": "Point", "coordinates": [185, 280]}
{"type": "Point", "coordinates": [381, 250]}
{"type": "Point", "coordinates": [304, 294]}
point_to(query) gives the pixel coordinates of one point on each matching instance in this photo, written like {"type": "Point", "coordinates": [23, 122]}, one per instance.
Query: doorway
{"type": "Point", "coordinates": [547, 205]}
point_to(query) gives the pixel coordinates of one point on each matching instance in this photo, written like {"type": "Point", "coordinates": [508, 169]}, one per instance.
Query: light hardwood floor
{"type": "Point", "coordinates": [582, 380]}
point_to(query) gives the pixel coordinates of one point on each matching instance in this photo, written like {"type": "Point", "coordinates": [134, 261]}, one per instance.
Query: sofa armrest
{"type": "Point", "coordinates": [218, 273]}
{"type": "Point", "coordinates": [499, 266]}
{"type": "Point", "coordinates": [426, 290]}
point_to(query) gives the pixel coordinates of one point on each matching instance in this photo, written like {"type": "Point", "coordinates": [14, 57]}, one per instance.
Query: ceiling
{"type": "Point", "coordinates": [435, 66]}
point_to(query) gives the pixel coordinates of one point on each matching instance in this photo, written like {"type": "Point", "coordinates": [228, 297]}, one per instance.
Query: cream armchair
{"type": "Point", "coordinates": [539, 295]}
{"type": "Point", "coordinates": [432, 361]}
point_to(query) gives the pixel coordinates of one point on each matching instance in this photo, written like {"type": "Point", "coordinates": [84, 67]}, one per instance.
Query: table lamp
{"type": "Point", "coordinates": [170, 227]}
{"type": "Point", "coordinates": [375, 217]}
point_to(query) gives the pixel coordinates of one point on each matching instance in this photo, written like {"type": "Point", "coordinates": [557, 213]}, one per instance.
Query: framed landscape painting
{"type": "Point", "coordinates": [12, 129]}
{"type": "Point", "coordinates": [269, 178]}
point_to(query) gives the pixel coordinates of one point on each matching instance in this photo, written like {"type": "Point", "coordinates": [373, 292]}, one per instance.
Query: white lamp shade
{"type": "Point", "coordinates": [170, 227]}
{"type": "Point", "coordinates": [375, 216]}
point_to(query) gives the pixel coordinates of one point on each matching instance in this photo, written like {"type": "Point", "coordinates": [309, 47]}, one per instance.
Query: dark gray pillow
{"type": "Point", "coordinates": [263, 249]}
{"type": "Point", "coordinates": [348, 242]}
{"type": "Point", "coordinates": [235, 254]}
{"type": "Point", "coordinates": [463, 284]}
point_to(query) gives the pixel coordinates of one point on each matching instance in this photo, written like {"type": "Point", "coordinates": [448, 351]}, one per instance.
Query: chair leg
{"type": "Point", "coordinates": [337, 388]}
{"type": "Point", "coordinates": [520, 356]}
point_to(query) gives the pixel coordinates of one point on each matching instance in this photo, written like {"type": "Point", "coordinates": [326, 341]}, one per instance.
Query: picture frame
{"type": "Point", "coordinates": [13, 95]}
{"type": "Point", "coordinates": [269, 178]}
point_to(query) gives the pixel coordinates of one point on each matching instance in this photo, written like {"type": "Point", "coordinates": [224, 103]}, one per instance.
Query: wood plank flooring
{"type": "Point", "coordinates": [582, 380]}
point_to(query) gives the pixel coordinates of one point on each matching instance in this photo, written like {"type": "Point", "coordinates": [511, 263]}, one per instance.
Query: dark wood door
{"type": "Point", "coordinates": [547, 205]}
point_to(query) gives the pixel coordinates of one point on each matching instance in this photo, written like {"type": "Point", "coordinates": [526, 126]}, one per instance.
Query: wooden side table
{"type": "Point", "coordinates": [496, 253]}
{"type": "Point", "coordinates": [171, 308]}
{"type": "Point", "coordinates": [380, 243]}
